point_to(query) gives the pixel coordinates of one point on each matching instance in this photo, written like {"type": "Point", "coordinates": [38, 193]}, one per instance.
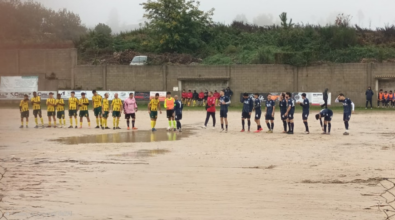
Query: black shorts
{"type": "Point", "coordinates": [258, 115]}
{"type": "Point", "coordinates": [346, 117]}
{"type": "Point", "coordinates": [37, 112]}
{"type": "Point", "coordinates": [128, 116]}
{"type": "Point", "coordinates": [328, 118]}
{"type": "Point", "coordinates": [283, 117]}
{"type": "Point", "coordinates": [178, 117]}
{"type": "Point", "coordinates": [73, 113]}
{"type": "Point", "coordinates": [50, 114]}
{"type": "Point", "coordinates": [245, 115]}
{"type": "Point", "coordinates": [60, 114]}
{"type": "Point", "coordinates": [223, 113]}
{"type": "Point", "coordinates": [268, 117]}
{"type": "Point", "coordinates": [25, 114]}
{"type": "Point", "coordinates": [169, 113]}
{"type": "Point", "coordinates": [305, 116]}
{"type": "Point", "coordinates": [290, 116]}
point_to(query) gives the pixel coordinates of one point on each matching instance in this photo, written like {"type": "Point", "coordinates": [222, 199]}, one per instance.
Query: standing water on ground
{"type": "Point", "coordinates": [126, 137]}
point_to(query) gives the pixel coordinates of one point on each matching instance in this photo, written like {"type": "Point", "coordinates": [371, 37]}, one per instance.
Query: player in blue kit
{"type": "Point", "coordinates": [290, 112]}
{"type": "Point", "coordinates": [283, 110]}
{"type": "Point", "coordinates": [248, 105]}
{"type": "Point", "coordinates": [178, 106]}
{"type": "Point", "coordinates": [258, 112]}
{"type": "Point", "coordinates": [306, 110]}
{"type": "Point", "coordinates": [224, 102]}
{"type": "Point", "coordinates": [327, 115]}
{"type": "Point", "coordinates": [348, 107]}
{"type": "Point", "coordinates": [269, 115]}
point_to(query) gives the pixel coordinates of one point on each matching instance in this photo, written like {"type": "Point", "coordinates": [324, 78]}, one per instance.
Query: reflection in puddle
{"type": "Point", "coordinates": [122, 137]}
{"type": "Point", "coordinates": [142, 153]}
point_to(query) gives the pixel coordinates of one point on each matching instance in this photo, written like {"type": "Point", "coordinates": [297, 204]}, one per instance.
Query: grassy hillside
{"type": "Point", "coordinates": [241, 43]}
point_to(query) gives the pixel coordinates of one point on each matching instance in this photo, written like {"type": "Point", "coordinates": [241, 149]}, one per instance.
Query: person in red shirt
{"type": "Point", "coordinates": [216, 96]}
{"type": "Point", "coordinates": [201, 97]}
{"type": "Point", "coordinates": [183, 96]}
{"type": "Point", "coordinates": [189, 97]}
{"type": "Point", "coordinates": [210, 107]}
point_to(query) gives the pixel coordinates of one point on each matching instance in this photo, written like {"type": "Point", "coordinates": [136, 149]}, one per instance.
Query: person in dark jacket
{"type": "Point", "coordinates": [178, 106]}
{"type": "Point", "coordinates": [195, 98]}
{"type": "Point", "coordinates": [248, 105]}
{"type": "Point", "coordinates": [325, 98]}
{"type": "Point", "coordinates": [369, 95]}
{"type": "Point", "coordinates": [228, 92]}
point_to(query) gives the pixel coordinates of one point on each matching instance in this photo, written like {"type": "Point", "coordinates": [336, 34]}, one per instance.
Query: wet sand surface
{"type": "Point", "coordinates": [199, 174]}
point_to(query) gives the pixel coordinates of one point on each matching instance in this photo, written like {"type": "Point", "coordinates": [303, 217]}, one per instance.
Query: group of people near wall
{"type": "Point", "coordinates": [195, 98]}
{"type": "Point", "coordinates": [384, 98]}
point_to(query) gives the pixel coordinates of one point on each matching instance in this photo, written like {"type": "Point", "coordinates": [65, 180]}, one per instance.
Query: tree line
{"type": "Point", "coordinates": [180, 26]}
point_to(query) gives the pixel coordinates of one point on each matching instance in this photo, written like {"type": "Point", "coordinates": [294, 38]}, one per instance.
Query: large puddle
{"type": "Point", "coordinates": [126, 137]}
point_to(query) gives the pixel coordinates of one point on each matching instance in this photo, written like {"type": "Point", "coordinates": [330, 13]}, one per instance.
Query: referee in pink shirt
{"type": "Point", "coordinates": [130, 108]}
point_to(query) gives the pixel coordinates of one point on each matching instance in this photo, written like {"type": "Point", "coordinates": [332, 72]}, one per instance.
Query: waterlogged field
{"type": "Point", "coordinates": [200, 173]}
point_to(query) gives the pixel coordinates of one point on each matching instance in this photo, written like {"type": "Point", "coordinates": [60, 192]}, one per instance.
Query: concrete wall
{"type": "Point", "coordinates": [40, 62]}
{"type": "Point", "coordinates": [351, 79]}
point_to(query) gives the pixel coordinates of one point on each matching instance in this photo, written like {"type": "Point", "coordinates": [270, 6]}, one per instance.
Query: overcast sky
{"type": "Point", "coordinates": [127, 14]}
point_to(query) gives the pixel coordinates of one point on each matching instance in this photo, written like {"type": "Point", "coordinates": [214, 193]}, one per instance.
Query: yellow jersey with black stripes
{"type": "Point", "coordinates": [106, 105]}
{"type": "Point", "coordinates": [36, 106]}
{"type": "Point", "coordinates": [154, 104]}
{"type": "Point", "coordinates": [24, 105]}
{"type": "Point", "coordinates": [116, 104]}
{"type": "Point", "coordinates": [59, 105]}
{"type": "Point", "coordinates": [51, 105]}
{"type": "Point", "coordinates": [83, 103]}
{"type": "Point", "coordinates": [97, 101]}
{"type": "Point", "coordinates": [73, 102]}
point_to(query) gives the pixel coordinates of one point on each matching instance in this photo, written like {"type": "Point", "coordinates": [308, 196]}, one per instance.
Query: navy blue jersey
{"type": "Point", "coordinates": [248, 104]}
{"type": "Point", "coordinates": [306, 106]}
{"type": "Point", "coordinates": [227, 102]}
{"type": "Point", "coordinates": [326, 113]}
{"type": "Point", "coordinates": [291, 103]}
{"type": "Point", "coordinates": [178, 106]}
{"type": "Point", "coordinates": [258, 106]}
{"type": "Point", "coordinates": [269, 107]}
{"type": "Point", "coordinates": [347, 105]}
{"type": "Point", "coordinates": [283, 106]}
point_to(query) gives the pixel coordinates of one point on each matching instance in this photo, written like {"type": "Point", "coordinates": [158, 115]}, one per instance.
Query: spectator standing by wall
{"type": "Point", "coordinates": [369, 95]}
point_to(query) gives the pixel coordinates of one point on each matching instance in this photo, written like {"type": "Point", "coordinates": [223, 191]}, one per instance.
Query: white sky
{"type": "Point", "coordinates": [127, 14]}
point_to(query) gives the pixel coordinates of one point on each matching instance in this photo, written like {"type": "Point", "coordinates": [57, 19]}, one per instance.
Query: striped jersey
{"type": "Point", "coordinates": [51, 104]}
{"type": "Point", "coordinates": [59, 105]}
{"type": "Point", "coordinates": [97, 101]}
{"type": "Point", "coordinates": [116, 104]}
{"type": "Point", "coordinates": [24, 105]}
{"type": "Point", "coordinates": [36, 106]}
{"type": "Point", "coordinates": [83, 103]}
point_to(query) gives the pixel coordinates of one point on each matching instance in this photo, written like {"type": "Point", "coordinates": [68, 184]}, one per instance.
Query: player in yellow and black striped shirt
{"type": "Point", "coordinates": [24, 109]}
{"type": "Point", "coordinates": [51, 103]}
{"type": "Point", "coordinates": [73, 108]}
{"type": "Point", "coordinates": [84, 103]}
{"type": "Point", "coordinates": [116, 105]}
{"type": "Point", "coordinates": [60, 110]}
{"type": "Point", "coordinates": [97, 108]}
{"type": "Point", "coordinates": [153, 107]}
{"type": "Point", "coordinates": [36, 103]}
{"type": "Point", "coordinates": [106, 109]}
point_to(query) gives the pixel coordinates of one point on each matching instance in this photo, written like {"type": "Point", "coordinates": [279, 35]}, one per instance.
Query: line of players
{"type": "Point", "coordinates": [287, 110]}
{"type": "Point", "coordinates": [56, 110]}
{"type": "Point", "coordinates": [101, 109]}
{"type": "Point", "coordinates": [174, 107]}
